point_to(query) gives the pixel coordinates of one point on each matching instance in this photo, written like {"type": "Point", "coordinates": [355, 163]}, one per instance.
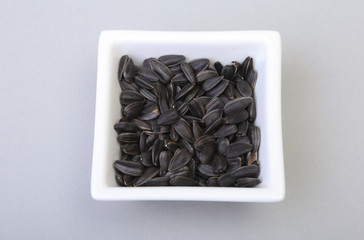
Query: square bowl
{"type": "Point", "coordinates": [223, 46]}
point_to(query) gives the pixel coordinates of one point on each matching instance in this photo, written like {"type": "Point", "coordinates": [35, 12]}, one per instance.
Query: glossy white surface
{"type": "Point", "coordinates": [263, 46]}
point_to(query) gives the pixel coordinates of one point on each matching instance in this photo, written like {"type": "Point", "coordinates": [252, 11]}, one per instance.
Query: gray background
{"type": "Point", "coordinates": [48, 56]}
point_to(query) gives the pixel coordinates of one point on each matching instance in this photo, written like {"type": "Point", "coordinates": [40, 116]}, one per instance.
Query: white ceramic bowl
{"type": "Point", "coordinates": [224, 46]}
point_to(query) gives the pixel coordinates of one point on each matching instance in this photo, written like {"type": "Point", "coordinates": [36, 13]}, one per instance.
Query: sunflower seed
{"type": "Point", "coordinates": [171, 90]}
{"type": "Point", "coordinates": [218, 163]}
{"type": "Point", "coordinates": [182, 181]}
{"type": "Point", "coordinates": [127, 97]}
{"type": "Point", "coordinates": [252, 78]}
{"type": "Point", "coordinates": [237, 105]}
{"type": "Point", "coordinates": [196, 108]}
{"type": "Point", "coordinates": [129, 137]}
{"type": "Point", "coordinates": [151, 139]}
{"type": "Point", "coordinates": [237, 66]}
{"type": "Point", "coordinates": [211, 117]}
{"type": "Point", "coordinates": [199, 65]}
{"type": "Point", "coordinates": [186, 145]}
{"type": "Point", "coordinates": [230, 92]}
{"type": "Point", "coordinates": [142, 125]}
{"type": "Point", "coordinates": [243, 139]}
{"type": "Point", "coordinates": [246, 66]}
{"type": "Point", "coordinates": [204, 100]}
{"type": "Point", "coordinates": [156, 150]}
{"type": "Point", "coordinates": [213, 126]}
{"type": "Point", "coordinates": [173, 134]}
{"type": "Point", "coordinates": [123, 60]}
{"type": "Point", "coordinates": [222, 144]}
{"type": "Point", "coordinates": [228, 71]}
{"type": "Point", "coordinates": [146, 63]}
{"type": "Point", "coordinates": [184, 130]}
{"type": "Point", "coordinates": [252, 111]}
{"type": "Point", "coordinates": [242, 129]}
{"type": "Point", "coordinates": [158, 181]}
{"type": "Point", "coordinates": [171, 145]}
{"type": "Point", "coordinates": [225, 180]}
{"type": "Point", "coordinates": [143, 82]}
{"type": "Point", "coordinates": [119, 179]}
{"type": "Point", "coordinates": [168, 117]}
{"type": "Point", "coordinates": [254, 135]}
{"type": "Point", "coordinates": [206, 74]}
{"type": "Point", "coordinates": [236, 117]}
{"type": "Point", "coordinates": [162, 70]}
{"type": "Point", "coordinates": [124, 85]}
{"type": "Point", "coordinates": [247, 182]}
{"type": "Point", "coordinates": [212, 182]}
{"type": "Point", "coordinates": [175, 69]}
{"type": "Point", "coordinates": [146, 159]}
{"type": "Point", "coordinates": [171, 59]}
{"type": "Point", "coordinates": [148, 174]}
{"type": "Point", "coordinates": [183, 109]}
{"type": "Point", "coordinates": [180, 158]}
{"type": "Point", "coordinates": [125, 127]}
{"type": "Point", "coordinates": [149, 112]}
{"type": "Point", "coordinates": [225, 130]}
{"type": "Point", "coordinates": [192, 94]}
{"type": "Point", "coordinates": [161, 129]}
{"type": "Point", "coordinates": [130, 148]}
{"type": "Point", "coordinates": [129, 70]}
{"type": "Point", "coordinates": [206, 170]}
{"type": "Point", "coordinates": [133, 109]}
{"type": "Point", "coordinates": [148, 74]}
{"type": "Point", "coordinates": [210, 83]}
{"type": "Point", "coordinates": [214, 103]}
{"type": "Point", "coordinates": [233, 163]}
{"type": "Point", "coordinates": [244, 88]}
{"type": "Point", "coordinates": [207, 152]}
{"type": "Point", "coordinates": [192, 166]}
{"type": "Point", "coordinates": [252, 158]}
{"type": "Point", "coordinates": [164, 158]}
{"type": "Point", "coordinates": [218, 66]}
{"type": "Point", "coordinates": [237, 149]}
{"type": "Point", "coordinates": [246, 171]}
{"type": "Point", "coordinates": [188, 71]}
{"type": "Point", "coordinates": [218, 89]}
{"type": "Point", "coordinates": [129, 168]}
{"type": "Point", "coordinates": [196, 129]}
{"type": "Point", "coordinates": [180, 80]}
{"type": "Point", "coordinates": [128, 180]}
{"type": "Point", "coordinates": [184, 91]}
{"type": "Point", "coordinates": [201, 182]}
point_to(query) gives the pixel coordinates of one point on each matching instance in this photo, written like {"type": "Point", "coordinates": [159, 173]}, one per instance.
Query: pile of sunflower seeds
{"type": "Point", "coordinates": [187, 123]}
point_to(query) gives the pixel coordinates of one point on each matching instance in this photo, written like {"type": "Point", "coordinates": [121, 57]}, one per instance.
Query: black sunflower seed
{"type": "Point", "coordinates": [237, 149]}
{"type": "Point", "coordinates": [252, 111]}
{"type": "Point", "coordinates": [206, 74]}
{"type": "Point", "coordinates": [212, 182]}
{"type": "Point", "coordinates": [168, 117]}
{"type": "Point", "coordinates": [207, 153]}
{"type": "Point", "coordinates": [254, 135]}
{"type": "Point", "coordinates": [222, 144]}
{"type": "Point", "coordinates": [218, 66]}
{"type": "Point", "coordinates": [225, 131]}
{"type": "Point", "coordinates": [129, 167]}
{"type": "Point", "coordinates": [164, 159]}
{"type": "Point", "coordinates": [125, 127]}
{"type": "Point", "coordinates": [143, 82]}
{"type": "Point", "coordinates": [242, 129]}
{"type": "Point", "coordinates": [127, 97]}
{"type": "Point", "coordinates": [196, 108]}
{"type": "Point", "coordinates": [247, 182]}
{"type": "Point", "coordinates": [156, 150]}
{"type": "Point", "coordinates": [225, 180]}
{"type": "Point", "coordinates": [218, 89]}
{"type": "Point", "coordinates": [123, 60]}
{"type": "Point", "coordinates": [184, 130]}
{"type": "Point", "coordinates": [210, 83]}
{"type": "Point", "coordinates": [129, 70]}
{"type": "Point", "coordinates": [244, 88]}
{"type": "Point", "coordinates": [147, 73]}
{"type": "Point", "coordinates": [158, 181]}
{"type": "Point", "coordinates": [237, 105]}
{"type": "Point", "coordinates": [149, 112]}
{"type": "Point", "coordinates": [180, 158]}
{"type": "Point", "coordinates": [180, 80]}
{"type": "Point", "coordinates": [184, 91]}
{"type": "Point", "coordinates": [246, 171]}
{"type": "Point", "coordinates": [252, 78]}
{"type": "Point", "coordinates": [142, 125]}
{"type": "Point", "coordinates": [246, 66]}
{"type": "Point", "coordinates": [236, 117]}
{"type": "Point", "coordinates": [148, 174]}
{"type": "Point", "coordinates": [228, 71]}
{"type": "Point", "coordinates": [188, 71]}
{"type": "Point", "coordinates": [133, 110]}
{"type": "Point", "coordinates": [182, 181]}
{"type": "Point", "coordinates": [196, 129]}
{"type": "Point", "coordinates": [199, 65]}
{"type": "Point", "coordinates": [164, 72]}
{"type": "Point", "coordinates": [218, 163]}
{"type": "Point", "coordinates": [171, 59]}
{"type": "Point", "coordinates": [129, 137]}
{"type": "Point", "coordinates": [146, 159]}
